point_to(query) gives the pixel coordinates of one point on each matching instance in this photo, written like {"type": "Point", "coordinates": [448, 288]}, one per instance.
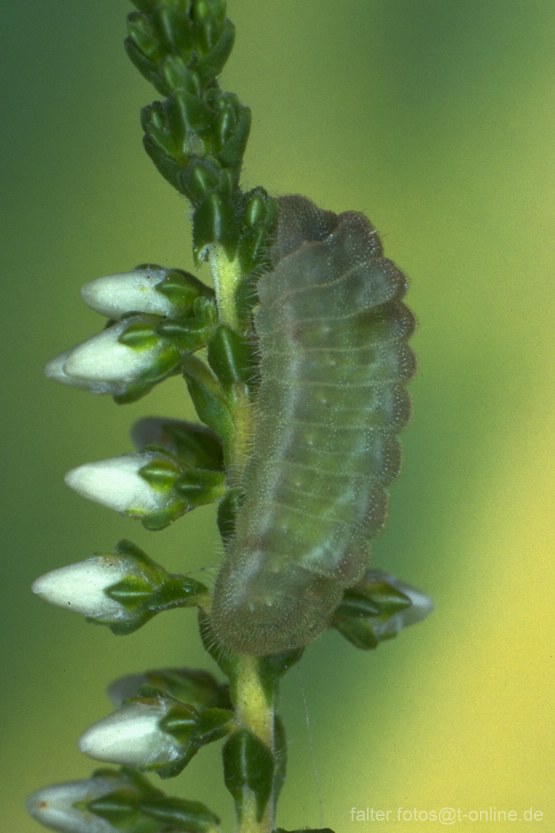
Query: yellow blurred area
{"type": "Point", "coordinates": [436, 117]}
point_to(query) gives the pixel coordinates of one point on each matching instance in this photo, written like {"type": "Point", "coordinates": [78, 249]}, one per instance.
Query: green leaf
{"type": "Point", "coordinates": [248, 767]}
{"type": "Point", "coordinates": [173, 28]}
{"type": "Point", "coordinates": [139, 808]}
{"type": "Point", "coordinates": [213, 62]}
{"type": "Point", "coordinates": [273, 667]}
{"type": "Point", "coordinates": [215, 221]}
{"type": "Point", "coordinates": [232, 130]}
{"type": "Point", "coordinates": [208, 398]}
{"type": "Point", "coordinates": [202, 177]}
{"type": "Point", "coordinates": [178, 814]}
{"type": "Point", "coordinates": [154, 142]}
{"type": "Point", "coordinates": [259, 222]}
{"type": "Point", "coordinates": [230, 356]}
{"type": "Point", "coordinates": [146, 67]}
{"type": "Point", "coordinates": [227, 512]}
{"type": "Point", "coordinates": [142, 38]}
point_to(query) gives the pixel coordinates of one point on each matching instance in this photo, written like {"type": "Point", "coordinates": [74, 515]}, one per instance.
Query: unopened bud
{"type": "Point", "coordinates": [118, 484]}
{"type": "Point", "coordinates": [104, 364]}
{"type": "Point", "coordinates": [63, 807]}
{"type": "Point", "coordinates": [147, 289]}
{"type": "Point", "coordinates": [132, 736]}
{"type": "Point", "coordinates": [378, 608]}
{"type": "Point", "coordinates": [82, 587]}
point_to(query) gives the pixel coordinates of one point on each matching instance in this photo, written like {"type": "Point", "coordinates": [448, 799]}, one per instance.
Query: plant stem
{"type": "Point", "coordinates": [226, 275]}
{"type": "Point", "coordinates": [255, 710]}
{"type": "Point", "coordinates": [254, 701]}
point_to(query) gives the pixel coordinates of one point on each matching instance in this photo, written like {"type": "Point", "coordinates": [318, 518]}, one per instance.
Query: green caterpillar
{"type": "Point", "coordinates": [334, 361]}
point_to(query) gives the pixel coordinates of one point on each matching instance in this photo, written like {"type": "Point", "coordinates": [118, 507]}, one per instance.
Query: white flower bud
{"type": "Point", "coordinates": [104, 365]}
{"type": "Point", "coordinates": [116, 483]}
{"type": "Point", "coordinates": [421, 606]}
{"type": "Point", "coordinates": [81, 587]}
{"type": "Point", "coordinates": [55, 370]}
{"type": "Point", "coordinates": [132, 737]}
{"type": "Point", "coordinates": [55, 806]}
{"type": "Point", "coordinates": [118, 295]}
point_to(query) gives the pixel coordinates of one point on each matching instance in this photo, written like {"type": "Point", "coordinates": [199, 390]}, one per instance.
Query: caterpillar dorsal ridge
{"type": "Point", "coordinates": [334, 362]}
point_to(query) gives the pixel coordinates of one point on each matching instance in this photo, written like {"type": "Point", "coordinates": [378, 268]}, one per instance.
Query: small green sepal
{"type": "Point", "coordinates": [200, 486]}
{"type": "Point", "coordinates": [190, 334]}
{"type": "Point", "coordinates": [150, 591]}
{"type": "Point", "coordinates": [182, 289]}
{"type": "Point", "coordinates": [177, 591]}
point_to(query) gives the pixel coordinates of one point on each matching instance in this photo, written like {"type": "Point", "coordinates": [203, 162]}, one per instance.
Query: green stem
{"type": "Point", "coordinates": [254, 702]}
{"type": "Point", "coordinates": [255, 710]}
{"type": "Point", "coordinates": [226, 276]}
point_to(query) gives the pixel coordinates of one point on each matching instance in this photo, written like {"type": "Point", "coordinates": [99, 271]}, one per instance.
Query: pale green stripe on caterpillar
{"type": "Point", "coordinates": [332, 338]}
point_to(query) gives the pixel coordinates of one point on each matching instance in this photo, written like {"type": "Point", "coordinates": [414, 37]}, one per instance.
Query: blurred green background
{"type": "Point", "coordinates": [435, 117]}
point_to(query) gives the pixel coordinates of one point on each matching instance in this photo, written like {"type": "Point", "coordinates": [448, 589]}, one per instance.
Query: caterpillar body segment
{"type": "Point", "coordinates": [334, 363]}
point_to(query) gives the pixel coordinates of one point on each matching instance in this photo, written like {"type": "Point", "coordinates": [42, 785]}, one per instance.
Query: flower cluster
{"type": "Point", "coordinates": [157, 317]}
{"type": "Point", "coordinates": [155, 314]}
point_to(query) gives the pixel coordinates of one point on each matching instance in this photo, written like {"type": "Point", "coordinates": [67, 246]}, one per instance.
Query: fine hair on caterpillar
{"type": "Point", "coordinates": [332, 336]}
